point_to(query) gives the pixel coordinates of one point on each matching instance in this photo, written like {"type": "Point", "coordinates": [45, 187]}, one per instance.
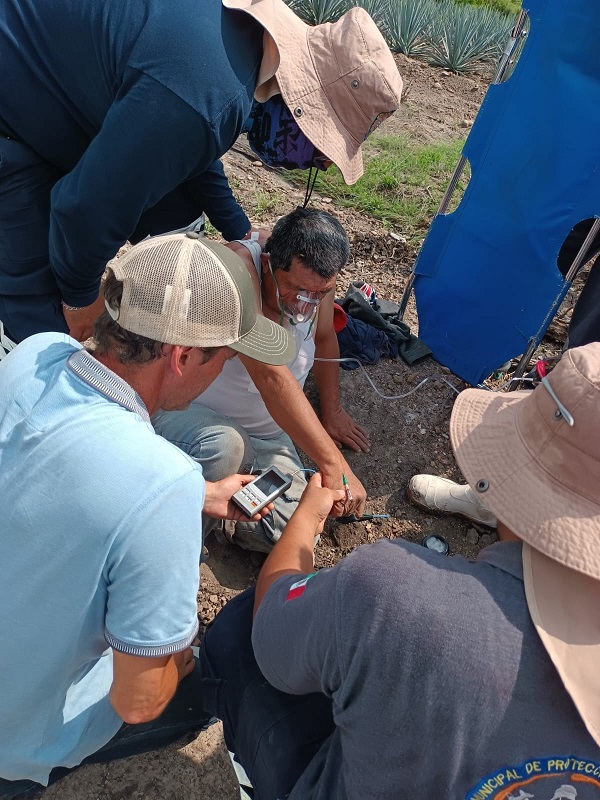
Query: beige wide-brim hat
{"type": "Point", "coordinates": [338, 79]}
{"type": "Point", "coordinates": [541, 478]}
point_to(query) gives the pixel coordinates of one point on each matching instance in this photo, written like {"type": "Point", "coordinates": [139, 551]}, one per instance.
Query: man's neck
{"type": "Point", "coordinates": [141, 377]}
{"type": "Point", "coordinates": [505, 534]}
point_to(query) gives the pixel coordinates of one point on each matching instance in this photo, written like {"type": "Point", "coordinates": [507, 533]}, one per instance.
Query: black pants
{"type": "Point", "coordinates": [273, 735]}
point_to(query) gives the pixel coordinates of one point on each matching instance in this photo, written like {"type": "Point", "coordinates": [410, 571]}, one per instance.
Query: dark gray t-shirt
{"type": "Point", "coordinates": [441, 687]}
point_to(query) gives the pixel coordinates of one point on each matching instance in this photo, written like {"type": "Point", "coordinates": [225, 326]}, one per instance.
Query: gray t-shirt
{"type": "Point", "coordinates": [441, 687]}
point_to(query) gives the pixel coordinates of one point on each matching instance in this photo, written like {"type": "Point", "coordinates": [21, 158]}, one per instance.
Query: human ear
{"type": "Point", "coordinates": [179, 358]}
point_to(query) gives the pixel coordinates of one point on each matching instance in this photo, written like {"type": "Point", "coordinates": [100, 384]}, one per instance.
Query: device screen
{"type": "Point", "coordinates": [269, 482]}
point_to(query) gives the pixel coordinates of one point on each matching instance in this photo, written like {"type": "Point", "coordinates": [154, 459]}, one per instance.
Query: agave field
{"type": "Point", "coordinates": [459, 36]}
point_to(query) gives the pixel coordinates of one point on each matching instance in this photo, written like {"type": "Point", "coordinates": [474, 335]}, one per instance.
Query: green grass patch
{"type": "Point", "coordinates": [402, 186]}
{"type": "Point", "coordinates": [511, 7]}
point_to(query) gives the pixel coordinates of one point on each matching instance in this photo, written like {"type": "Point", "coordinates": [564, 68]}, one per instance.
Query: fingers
{"type": "Point", "coordinates": [244, 479]}
{"type": "Point", "coordinates": [356, 438]}
{"type": "Point", "coordinates": [316, 480]}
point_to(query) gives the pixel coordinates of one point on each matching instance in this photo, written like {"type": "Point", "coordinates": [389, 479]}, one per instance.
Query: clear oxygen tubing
{"type": "Point", "coordinates": [437, 377]}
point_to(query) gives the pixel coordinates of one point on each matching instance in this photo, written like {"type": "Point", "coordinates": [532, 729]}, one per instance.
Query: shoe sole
{"type": "Point", "coordinates": [438, 512]}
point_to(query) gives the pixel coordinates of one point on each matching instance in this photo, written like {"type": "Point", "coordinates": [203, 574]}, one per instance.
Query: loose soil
{"type": "Point", "coordinates": [408, 435]}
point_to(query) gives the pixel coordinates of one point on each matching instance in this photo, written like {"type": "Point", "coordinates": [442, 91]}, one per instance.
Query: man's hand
{"type": "Point", "coordinates": [217, 499]}
{"type": "Point", "coordinates": [355, 494]}
{"type": "Point", "coordinates": [81, 321]}
{"type": "Point", "coordinates": [184, 661]}
{"type": "Point", "coordinates": [345, 431]}
{"type": "Point", "coordinates": [317, 502]}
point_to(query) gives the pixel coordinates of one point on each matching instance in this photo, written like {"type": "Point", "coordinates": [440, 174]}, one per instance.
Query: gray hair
{"type": "Point", "coordinates": [314, 237]}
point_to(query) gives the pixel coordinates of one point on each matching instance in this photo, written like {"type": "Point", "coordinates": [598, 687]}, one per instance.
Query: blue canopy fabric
{"type": "Point", "coordinates": [486, 277]}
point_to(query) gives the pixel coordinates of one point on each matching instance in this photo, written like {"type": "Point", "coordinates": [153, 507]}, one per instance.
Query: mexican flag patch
{"type": "Point", "coordinates": [297, 589]}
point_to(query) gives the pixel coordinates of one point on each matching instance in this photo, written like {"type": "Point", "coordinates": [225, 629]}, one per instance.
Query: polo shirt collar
{"type": "Point", "coordinates": [107, 382]}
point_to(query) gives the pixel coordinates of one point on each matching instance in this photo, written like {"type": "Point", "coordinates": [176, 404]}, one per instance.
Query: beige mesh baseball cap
{"type": "Point", "coordinates": [541, 477]}
{"type": "Point", "coordinates": [184, 290]}
{"type": "Point", "coordinates": [338, 79]}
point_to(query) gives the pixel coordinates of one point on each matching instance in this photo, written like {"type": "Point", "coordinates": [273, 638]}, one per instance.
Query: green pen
{"type": "Point", "coordinates": [346, 486]}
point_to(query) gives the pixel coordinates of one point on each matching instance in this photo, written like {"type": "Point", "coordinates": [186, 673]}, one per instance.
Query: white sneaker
{"type": "Point", "coordinates": [442, 496]}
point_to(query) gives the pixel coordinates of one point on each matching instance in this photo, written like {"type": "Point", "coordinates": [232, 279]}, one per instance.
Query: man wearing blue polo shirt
{"type": "Point", "coordinates": [100, 534]}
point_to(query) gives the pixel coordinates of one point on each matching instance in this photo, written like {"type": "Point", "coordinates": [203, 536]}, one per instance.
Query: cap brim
{"type": "Point", "coordinates": [525, 497]}
{"type": "Point", "coordinates": [267, 342]}
{"type": "Point", "coordinates": [564, 608]}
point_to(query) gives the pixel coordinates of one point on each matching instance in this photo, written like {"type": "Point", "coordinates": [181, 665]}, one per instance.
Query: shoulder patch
{"type": "Point", "coordinates": [297, 589]}
{"type": "Point", "coordinates": [564, 777]}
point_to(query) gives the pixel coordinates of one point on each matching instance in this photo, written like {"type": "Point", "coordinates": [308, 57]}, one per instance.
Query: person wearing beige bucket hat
{"type": "Point", "coordinates": [100, 535]}
{"type": "Point", "coordinates": [337, 80]}
{"type": "Point", "coordinates": [120, 136]}
{"type": "Point", "coordinates": [401, 672]}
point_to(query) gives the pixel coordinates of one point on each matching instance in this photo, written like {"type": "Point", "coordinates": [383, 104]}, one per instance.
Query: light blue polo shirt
{"type": "Point", "coordinates": [100, 538]}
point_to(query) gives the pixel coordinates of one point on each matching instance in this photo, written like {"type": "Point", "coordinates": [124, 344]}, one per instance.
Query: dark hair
{"type": "Point", "coordinates": [314, 237]}
{"type": "Point", "coordinates": [129, 348]}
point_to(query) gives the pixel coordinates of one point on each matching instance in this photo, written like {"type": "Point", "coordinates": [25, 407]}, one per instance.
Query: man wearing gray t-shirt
{"type": "Point", "coordinates": [400, 673]}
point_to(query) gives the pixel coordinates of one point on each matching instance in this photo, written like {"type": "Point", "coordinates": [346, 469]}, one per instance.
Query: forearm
{"type": "Point", "coordinates": [147, 697]}
{"type": "Point", "coordinates": [327, 376]}
{"type": "Point", "coordinates": [292, 554]}
{"type": "Point", "coordinates": [211, 193]}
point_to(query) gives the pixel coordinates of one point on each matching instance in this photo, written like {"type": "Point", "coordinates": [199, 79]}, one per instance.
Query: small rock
{"type": "Point", "coordinates": [326, 200]}
{"type": "Point", "coordinates": [487, 539]}
{"type": "Point", "coordinates": [437, 85]}
{"type": "Point", "coordinates": [213, 599]}
{"type": "Point", "coordinates": [410, 377]}
{"type": "Point", "coordinates": [445, 74]}
{"type": "Point", "coordinates": [257, 163]}
{"type": "Point", "coordinates": [465, 123]}
{"type": "Point", "coordinates": [474, 88]}
{"type": "Point", "coordinates": [398, 237]}
{"type": "Point", "coordinates": [472, 536]}
{"type": "Point", "coordinates": [422, 431]}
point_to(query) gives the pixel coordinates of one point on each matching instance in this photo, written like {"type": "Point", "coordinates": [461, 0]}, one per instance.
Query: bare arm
{"type": "Point", "coordinates": [336, 420]}
{"type": "Point", "coordinates": [289, 407]}
{"type": "Point", "coordinates": [142, 687]}
{"type": "Point", "coordinates": [293, 553]}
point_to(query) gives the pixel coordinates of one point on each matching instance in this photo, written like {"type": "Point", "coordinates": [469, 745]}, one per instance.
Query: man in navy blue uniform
{"type": "Point", "coordinates": [113, 117]}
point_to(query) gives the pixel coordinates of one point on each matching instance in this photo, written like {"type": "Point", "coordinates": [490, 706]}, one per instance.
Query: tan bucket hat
{"type": "Point", "coordinates": [338, 79]}
{"type": "Point", "coordinates": [540, 476]}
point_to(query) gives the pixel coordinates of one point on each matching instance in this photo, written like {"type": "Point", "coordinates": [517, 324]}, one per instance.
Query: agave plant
{"type": "Point", "coordinates": [377, 9]}
{"type": "Point", "coordinates": [314, 12]}
{"type": "Point", "coordinates": [406, 24]}
{"type": "Point", "coordinates": [460, 36]}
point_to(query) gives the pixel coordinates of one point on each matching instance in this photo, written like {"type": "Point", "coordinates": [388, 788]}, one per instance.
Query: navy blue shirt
{"type": "Point", "coordinates": [128, 100]}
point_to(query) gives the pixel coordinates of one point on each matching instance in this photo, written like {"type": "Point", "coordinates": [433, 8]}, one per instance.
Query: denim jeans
{"type": "Point", "coordinates": [224, 448]}
{"type": "Point", "coordinates": [185, 714]}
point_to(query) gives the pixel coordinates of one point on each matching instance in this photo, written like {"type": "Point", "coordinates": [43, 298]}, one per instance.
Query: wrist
{"type": "Point", "coordinates": [67, 307]}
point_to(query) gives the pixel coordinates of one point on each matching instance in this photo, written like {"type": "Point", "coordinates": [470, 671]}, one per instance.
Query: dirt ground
{"type": "Point", "coordinates": [408, 435]}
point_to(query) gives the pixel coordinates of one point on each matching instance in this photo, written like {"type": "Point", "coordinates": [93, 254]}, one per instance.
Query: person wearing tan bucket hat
{"type": "Point", "coordinates": [120, 136]}
{"type": "Point", "coordinates": [401, 672]}
{"type": "Point", "coordinates": [100, 535]}
{"type": "Point", "coordinates": [337, 80]}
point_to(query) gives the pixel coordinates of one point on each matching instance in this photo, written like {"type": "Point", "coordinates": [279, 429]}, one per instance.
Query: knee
{"type": "Point", "coordinates": [235, 452]}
